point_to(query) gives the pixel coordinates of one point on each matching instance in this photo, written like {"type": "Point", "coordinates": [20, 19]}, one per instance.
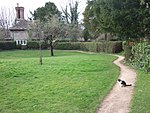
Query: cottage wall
{"type": "Point", "coordinates": [20, 35]}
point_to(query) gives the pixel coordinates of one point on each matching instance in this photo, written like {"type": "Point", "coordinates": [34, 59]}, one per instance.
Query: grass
{"type": "Point", "coordinates": [69, 82]}
{"type": "Point", "coordinates": [141, 97]}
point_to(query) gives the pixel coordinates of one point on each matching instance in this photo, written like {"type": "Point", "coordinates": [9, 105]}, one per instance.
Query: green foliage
{"type": "Point", "coordinates": [124, 18]}
{"type": "Point", "coordinates": [140, 101]}
{"type": "Point", "coordinates": [88, 46]}
{"type": "Point", "coordinates": [67, 46]}
{"type": "Point", "coordinates": [21, 47]}
{"type": "Point", "coordinates": [107, 47]}
{"type": "Point", "coordinates": [127, 50]}
{"type": "Point", "coordinates": [90, 23]}
{"type": "Point", "coordinates": [103, 15]}
{"type": "Point", "coordinates": [86, 35]}
{"type": "Point", "coordinates": [7, 45]}
{"type": "Point", "coordinates": [70, 82]}
{"type": "Point", "coordinates": [129, 19]}
{"type": "Point", "coordinates": [35, 45]}
{"type": "Point", "coordinates": [45, 13]}
{"type": "Point", "coordinates": [141, 56]}
{"type": "Point", "coordinates": [12, 45]}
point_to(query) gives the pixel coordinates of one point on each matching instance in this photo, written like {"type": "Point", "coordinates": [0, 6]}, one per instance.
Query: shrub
{"type": "Point", "coordinates": [67, 46]}
{"type": "Point", "coordinates": [35, 45]}
{"type": "Point", "coordinates": [117, 47]}
{"type": "Point", "coordinates": [127, 51]}
{"type": "Point", "coordinates": [7, 45]}
{"type": "Point", "coordinates": [88, 46]}
{"type": "Point", "coordinates": [108, 47]}
{"type": "Point", "coordinates": [141, 56]}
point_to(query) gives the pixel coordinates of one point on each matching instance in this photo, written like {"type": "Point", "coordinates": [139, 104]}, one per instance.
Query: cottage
{"type": "Point", "coordinates": [19, 31]}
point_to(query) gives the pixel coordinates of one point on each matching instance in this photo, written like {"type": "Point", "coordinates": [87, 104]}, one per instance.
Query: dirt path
{"type": "Point", "coordinates": [118, 100]}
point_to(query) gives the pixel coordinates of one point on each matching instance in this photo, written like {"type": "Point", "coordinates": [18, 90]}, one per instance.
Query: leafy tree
{"type": "Point", "coordinates": [86, 34]}
{"type": "Point", "coordinates": [125, 18]}
{"type": "Point", "coordinates": [103, 15]}
{"type": "Point", "coordinates": [131, 19]}
{"type": "Point", "coordinates": [89, 21]}
{"type": "Point", "coordinates": [98, 18]}
{"type": "Point", "coordinates": [46, 12]}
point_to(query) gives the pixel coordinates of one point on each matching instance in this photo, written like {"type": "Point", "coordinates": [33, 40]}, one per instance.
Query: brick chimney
{"type": "Point", "coordinates": [19, 12]}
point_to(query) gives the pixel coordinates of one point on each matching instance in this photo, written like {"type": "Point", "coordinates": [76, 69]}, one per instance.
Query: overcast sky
{"type": "Point", "coordinates": [34, 4]}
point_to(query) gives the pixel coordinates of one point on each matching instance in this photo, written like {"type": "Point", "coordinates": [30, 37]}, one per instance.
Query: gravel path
{"type": "Point", "coordinates": [118, 100]}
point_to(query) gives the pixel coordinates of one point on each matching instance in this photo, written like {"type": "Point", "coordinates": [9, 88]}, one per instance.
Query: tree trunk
{"type": "Point", "coordinates": [40, 53]}
{"type": "Point", "coordinates": [51, 47]}
{"type": "Point", "coordinates": [52, 53]}
{"type": "Point", "coordinates": [50, 44]}
{"type": "Point", "coordinates": [105, 36]}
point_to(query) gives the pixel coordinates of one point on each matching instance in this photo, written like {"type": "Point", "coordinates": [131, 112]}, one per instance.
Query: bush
{"type": "Point", "coordinates": [141, 56]}
{"type": "Point", "coordinates": [67, 46]}
{"type": "Point", "coordinates": [7, 45]}
{"type": "Point", "coordinates": [35, 45]}
{"type": "Point", "coordinates": [127, 47]}
{"type": "Point", "coordinates": [108, 47]}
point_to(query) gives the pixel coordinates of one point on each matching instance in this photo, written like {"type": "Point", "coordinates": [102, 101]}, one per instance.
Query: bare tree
{"type": "Point", "coordinates": [53, 29]}
{"type": "Point", "coordinates": [7, 17]}
{"type": "Point", "coordinates": [71, 16]}
{"type": "Point", "coordinates": [35, 29]}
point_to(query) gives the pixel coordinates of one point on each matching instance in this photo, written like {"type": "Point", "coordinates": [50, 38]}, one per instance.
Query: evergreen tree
{"type": "Point", "coordinates": [46, 12]}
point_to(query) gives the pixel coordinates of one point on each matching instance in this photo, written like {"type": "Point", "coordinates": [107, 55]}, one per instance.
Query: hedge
{"type": "Point", "coordinates": [108, 47]}
{"type": "Point", "coordinates": [7, 45]}
{"type": "Point", "coordinates": [141, 56]}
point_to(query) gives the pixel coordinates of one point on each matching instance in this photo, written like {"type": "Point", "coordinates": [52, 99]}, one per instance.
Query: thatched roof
{"type": "Point", "coordinates": [21, 25]}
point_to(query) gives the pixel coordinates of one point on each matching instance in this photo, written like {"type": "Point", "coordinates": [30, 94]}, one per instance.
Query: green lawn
{"type": "Point", "coordinates": [69, 82]}
{"type": "Point", "coordinates": [141, 97]}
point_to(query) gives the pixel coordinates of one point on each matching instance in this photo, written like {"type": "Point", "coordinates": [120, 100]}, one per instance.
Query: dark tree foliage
{"type": "Point", "coordinates": [86, 35]}
{"type": "Point", "coordinates": [128, 19]}
{"type": "Point", "coordinates": [46, 12]}
{"type": "Point", "coordinates": [131, 19]}
{"type": "Point", "coordinates": [89, 21]}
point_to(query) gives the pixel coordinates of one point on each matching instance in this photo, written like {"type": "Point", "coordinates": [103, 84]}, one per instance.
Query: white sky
{"type": "Point", "coordinates": [34, 4]}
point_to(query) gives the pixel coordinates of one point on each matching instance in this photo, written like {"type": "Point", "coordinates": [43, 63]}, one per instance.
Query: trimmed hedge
{"type": "Point", "coordinates": [35, 45]}
{"type": "Point", "coordinates": [7, 45]}
{"type": "Point", "coordinates": [141, 56]}
{"type": "Point", "coordinates": [108, 47]}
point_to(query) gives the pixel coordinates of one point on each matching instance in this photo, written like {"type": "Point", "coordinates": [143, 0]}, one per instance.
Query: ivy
{"type": "Point", "coordinates": [141, 56]}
